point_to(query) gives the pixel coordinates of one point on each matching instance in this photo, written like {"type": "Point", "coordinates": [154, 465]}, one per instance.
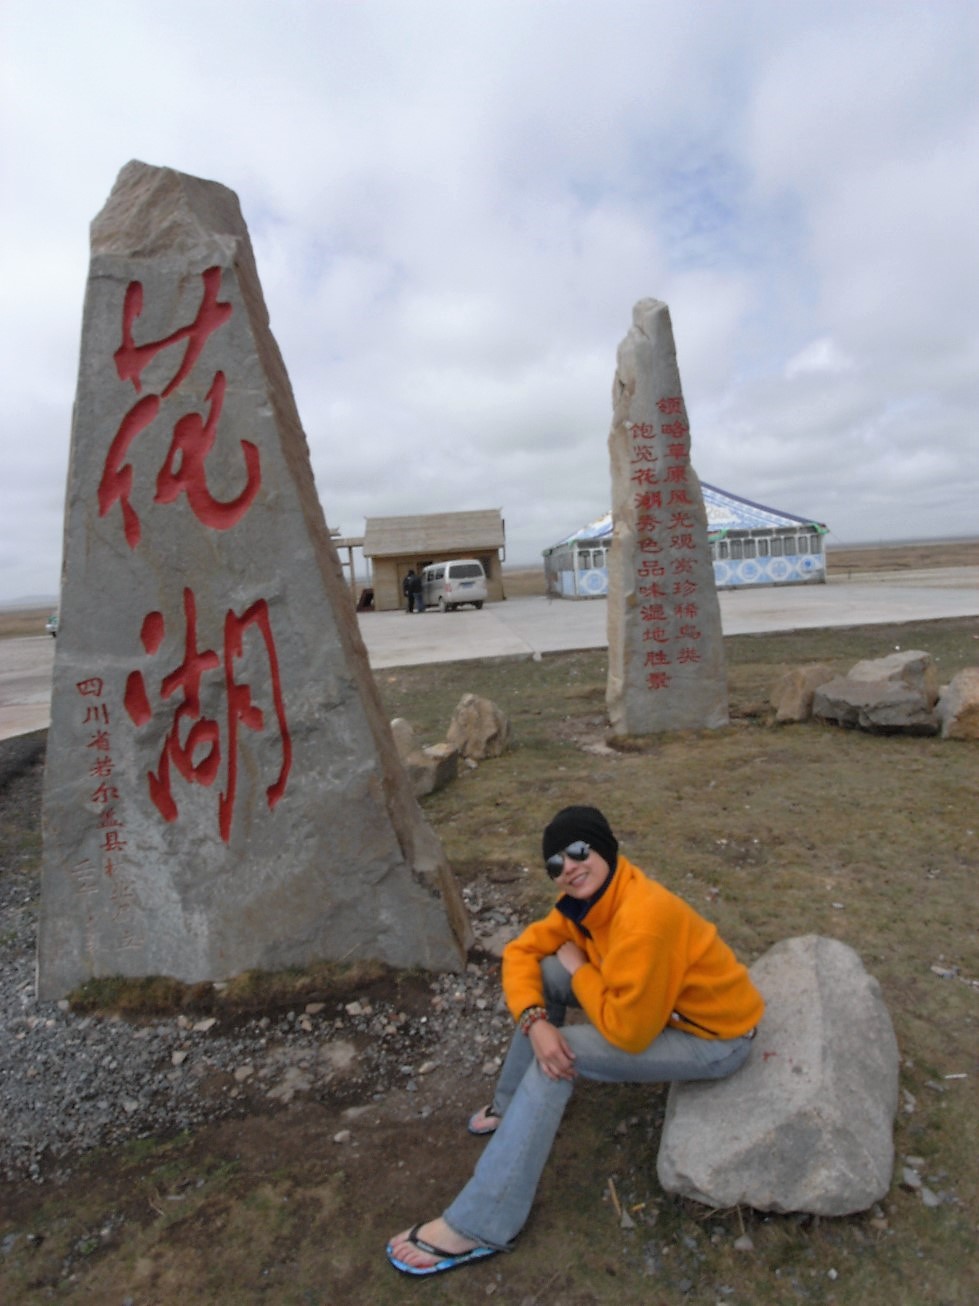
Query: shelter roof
{"type": "Point", "coordinates": [725, 512]}
{"type": "Point", "coordinates": [439, 532]}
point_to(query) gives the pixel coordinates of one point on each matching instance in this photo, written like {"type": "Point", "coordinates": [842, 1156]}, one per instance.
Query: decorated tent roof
{"type": "Point", "coordinates": [725, 512]}
{"type": "Point", "coordinates": [599, 529]}
{"type": "Point", "coordinates": [729, 512]}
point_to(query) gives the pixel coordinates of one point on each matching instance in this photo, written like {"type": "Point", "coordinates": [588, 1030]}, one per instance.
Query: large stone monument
{"type": "Point", "coordinates": [666, 656]}
{"type": "Point", "coordinates": [222, 788]}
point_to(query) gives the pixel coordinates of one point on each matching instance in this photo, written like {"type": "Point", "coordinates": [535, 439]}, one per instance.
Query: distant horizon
{"type": "Point", "coordinates": [32, 601]}
{"type": "Point", "coordinates": [903, 542]}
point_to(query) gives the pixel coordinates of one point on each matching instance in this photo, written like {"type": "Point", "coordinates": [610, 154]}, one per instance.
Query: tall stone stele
{"type": "Point", "coordinates": [666, 657]}
{"type": "Point", "coordinates": [222, 789]}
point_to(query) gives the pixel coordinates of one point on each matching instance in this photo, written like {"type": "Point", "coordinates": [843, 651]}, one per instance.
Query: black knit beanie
{"type": "Point", "coordinates": [586, 823]}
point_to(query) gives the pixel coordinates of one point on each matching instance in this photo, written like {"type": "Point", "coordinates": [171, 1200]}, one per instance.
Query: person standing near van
{"type": "Point", "coordinates": [408, 591]}
{"type": "Point", "coordinates": [417, 591]}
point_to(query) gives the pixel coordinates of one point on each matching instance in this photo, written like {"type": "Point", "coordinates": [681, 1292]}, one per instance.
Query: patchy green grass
{"type": "Point", "coordinates": [770, 831]}
{"type": "Point", "coordinates": [250, 992]}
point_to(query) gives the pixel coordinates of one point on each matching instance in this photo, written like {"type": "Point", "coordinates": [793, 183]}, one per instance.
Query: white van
{"type": "Point", "coordinates": [449, 585]}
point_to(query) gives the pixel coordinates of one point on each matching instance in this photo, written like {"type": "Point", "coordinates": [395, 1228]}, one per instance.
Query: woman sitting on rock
{"type": "Point", "coordinates": [665, 1000]}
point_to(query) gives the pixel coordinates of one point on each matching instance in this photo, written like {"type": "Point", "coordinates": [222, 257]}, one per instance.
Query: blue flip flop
{"type": "Point", "coordinates": [446, 1261]}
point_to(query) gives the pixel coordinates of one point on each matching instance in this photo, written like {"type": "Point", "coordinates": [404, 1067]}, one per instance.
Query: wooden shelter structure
{"type": "Point", "coordinates": [393, 544]}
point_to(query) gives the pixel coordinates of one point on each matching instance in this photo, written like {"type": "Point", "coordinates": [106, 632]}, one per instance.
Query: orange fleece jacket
{"type": "Point", "coordinates": [652, 962]}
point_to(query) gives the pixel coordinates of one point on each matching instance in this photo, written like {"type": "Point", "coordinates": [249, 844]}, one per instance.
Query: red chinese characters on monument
{"type": "Point", "coordinates": [665, 543]}
{"type": "Point", "coordinates": [183, 467]}
{"type": "Point", "coordinates": [196, 746]}
{"type": "Point", "coordinates": [194, 742]}
{"type": "Point", "coordinates": [103, 798]}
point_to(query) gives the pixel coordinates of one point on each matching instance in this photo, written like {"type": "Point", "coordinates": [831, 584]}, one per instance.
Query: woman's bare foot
{"type": "Point", "coordinates": [437, 1234]}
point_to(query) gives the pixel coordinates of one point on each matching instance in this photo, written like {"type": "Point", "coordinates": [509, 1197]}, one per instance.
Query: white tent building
{"type": "Point", "coordinates": [749, 545]}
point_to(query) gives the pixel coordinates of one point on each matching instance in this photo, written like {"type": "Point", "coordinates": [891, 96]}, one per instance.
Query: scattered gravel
{"type": "Point", "coordinates": [70, 1083]}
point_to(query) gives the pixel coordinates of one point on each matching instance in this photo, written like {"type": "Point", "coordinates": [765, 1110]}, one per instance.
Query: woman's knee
{"type": "Point", "coordinates": [557, 982]}
{"type": "Point", "coordinates": [720, 1066]}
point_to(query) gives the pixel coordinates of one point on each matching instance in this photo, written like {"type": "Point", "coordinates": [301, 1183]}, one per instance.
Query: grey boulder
{"type": "Point", "coordinates": [807, 1123]}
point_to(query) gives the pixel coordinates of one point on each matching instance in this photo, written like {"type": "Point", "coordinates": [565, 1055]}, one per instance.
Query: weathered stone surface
{"type": "Point", "coordinates": [222, 788]}
{"type": "Point", "coordinates": [478, 728]}
{"type": "Point", "coordinates": [666, 656]}
{"type": "Point", "coordinates": [432, 768]}
{"type": "Point", "coordinates": [880, 706]}
{"type": "Point", "coordinates": [913, 668]}
{"type": "Point", "coordinates": [807, 1123]}
{"type": "Point", "coordinates": [404, 737]}
{"type": "Point", "coordinates": [958, 707]}
{"type": "Point", "coordinates": [792, 694]}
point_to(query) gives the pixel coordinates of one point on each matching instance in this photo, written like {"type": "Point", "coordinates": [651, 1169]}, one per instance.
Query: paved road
{"type": "Point", "coordinates": [25, 684]}
{"type": "Point", "coordinates": [541, 625]}
{"type": "Point", "coordinates": [527, 626]}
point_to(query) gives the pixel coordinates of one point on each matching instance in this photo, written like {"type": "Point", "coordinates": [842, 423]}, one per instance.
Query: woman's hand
{"type": "Point", "coordinates": [570, 956]}
{"type": "Point", "coordinates": [553, 1054]}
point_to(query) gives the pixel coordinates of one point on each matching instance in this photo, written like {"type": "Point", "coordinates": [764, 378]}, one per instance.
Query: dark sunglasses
{"type": "Point", "coordinates": [577, 851]}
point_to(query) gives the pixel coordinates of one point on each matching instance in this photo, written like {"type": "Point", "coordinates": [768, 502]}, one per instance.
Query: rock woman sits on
{"type": "Point", "coordinates": [665, 999]}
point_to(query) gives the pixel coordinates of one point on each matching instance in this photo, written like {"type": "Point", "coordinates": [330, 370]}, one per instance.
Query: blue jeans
{"type": "Point", "coordinates": [494, 1205]}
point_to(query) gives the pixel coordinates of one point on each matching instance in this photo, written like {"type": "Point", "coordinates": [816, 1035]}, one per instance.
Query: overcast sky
{"type": "Point", "coordinates": [454, 206]}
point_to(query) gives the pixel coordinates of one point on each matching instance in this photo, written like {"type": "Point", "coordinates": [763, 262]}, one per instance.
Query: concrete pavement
{"type": "Point", "coordinates": [524, 627]}
{"type": "Point", "coordinates": [25, 684]}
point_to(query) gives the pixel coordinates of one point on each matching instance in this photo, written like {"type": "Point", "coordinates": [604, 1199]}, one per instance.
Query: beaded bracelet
{"type": "Point", "coordinates": [530, 1017]}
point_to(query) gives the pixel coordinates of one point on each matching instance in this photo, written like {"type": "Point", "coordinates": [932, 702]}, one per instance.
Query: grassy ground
{"type": "Point", "coordinates": [902, 557]}
{"type": "Point", "coordinates": [771, 832]}
{"type": "Point", "coordinates": [19, 623]}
